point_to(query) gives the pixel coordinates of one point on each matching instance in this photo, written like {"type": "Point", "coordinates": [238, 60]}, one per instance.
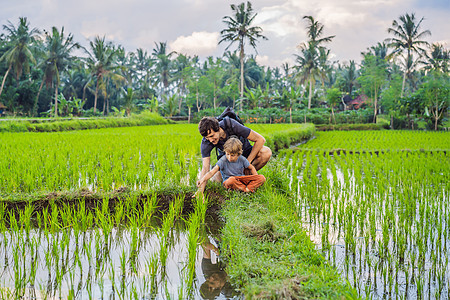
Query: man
{"type": "Point", "coordinates": [216, 133]}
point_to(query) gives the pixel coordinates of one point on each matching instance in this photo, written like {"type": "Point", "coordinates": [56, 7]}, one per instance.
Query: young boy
{"type": "Point", "coordinates": [232, 166]}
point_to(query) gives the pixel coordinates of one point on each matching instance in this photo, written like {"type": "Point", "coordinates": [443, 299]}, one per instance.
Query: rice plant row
{"type": "Point", "coordinates": [380, 217]}
{"type": "Point", "coordinates": [357, 141]}
{"type": "Point", "coordinates": [139, 158]}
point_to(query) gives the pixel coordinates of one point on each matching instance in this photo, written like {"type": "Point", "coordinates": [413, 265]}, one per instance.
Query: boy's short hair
{"type": "Point", "coordinates": [233, 145]}
{"type": "Point", "coordinates": [207, 124]}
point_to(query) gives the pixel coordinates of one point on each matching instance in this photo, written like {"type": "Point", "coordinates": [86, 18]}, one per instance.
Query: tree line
{"type": "Point", "coordinates": [402, 76]}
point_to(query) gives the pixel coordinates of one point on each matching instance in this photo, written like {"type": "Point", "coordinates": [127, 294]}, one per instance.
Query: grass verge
{"type": "Point", "coordinates": [287, 137]}
{"type": "Point", "coordinates": [268, 253]}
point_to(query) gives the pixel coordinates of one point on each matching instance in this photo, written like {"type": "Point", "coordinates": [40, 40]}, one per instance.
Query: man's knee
{"type": "Point", "coordinates": [263, 157]}
{"type": "Point", "coordinates": [266, 153]}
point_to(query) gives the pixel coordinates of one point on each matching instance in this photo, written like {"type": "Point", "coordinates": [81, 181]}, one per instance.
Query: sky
{"type": "Point", "coordinates": [192, 27]}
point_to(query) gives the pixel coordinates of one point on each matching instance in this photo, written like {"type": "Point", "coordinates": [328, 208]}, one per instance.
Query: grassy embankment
{"type": "Point", "coordinates": [269, 254]}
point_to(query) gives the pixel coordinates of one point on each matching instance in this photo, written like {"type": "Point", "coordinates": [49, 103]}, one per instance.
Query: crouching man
{"type": "Point", "coordinates": [216, 133]}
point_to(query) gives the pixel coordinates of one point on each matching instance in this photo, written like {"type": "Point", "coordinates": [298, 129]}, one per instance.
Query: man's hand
{"type": "Point", "coordinates": [200, 182]}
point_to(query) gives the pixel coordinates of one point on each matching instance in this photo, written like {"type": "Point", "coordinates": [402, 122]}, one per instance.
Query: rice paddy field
{"type": "Point", "coordinates": [376, 204]}
{"type": "Point", "coordinates": [107, 213]}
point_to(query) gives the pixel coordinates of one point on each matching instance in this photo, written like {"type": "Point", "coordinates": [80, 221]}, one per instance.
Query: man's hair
{"type": "Point", "coordinates": [233, 145]}
{"type": "Point", "coordinates": [207, 292]}
{"type": "Point", "coordinates": [207, 124]}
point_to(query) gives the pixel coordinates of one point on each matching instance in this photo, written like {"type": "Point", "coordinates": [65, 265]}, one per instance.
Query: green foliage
{"type": "Point", "coordinates": [285, 138]}
{"type": "Point", "coordinates": [436, 91]}
{"type": "Point", "coordinates": [390, 97]}
{"type": "Point", "coordinates": [316, 116]}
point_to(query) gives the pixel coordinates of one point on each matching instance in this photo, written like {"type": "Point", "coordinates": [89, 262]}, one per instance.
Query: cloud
{"type": "Point", "coordinates": [198, 43]}
{"type": "Point", "coordinates": [191, 26]}
{"type": "Point", "coordinates": [101, 26]}
{"type": "Point", "coordinates": [265, 60]}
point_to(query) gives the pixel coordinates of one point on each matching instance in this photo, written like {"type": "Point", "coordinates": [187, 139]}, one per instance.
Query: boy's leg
{"type": "Point", "coordinates": [252, 181]}
{"type": "Point", "coordinates": [233, 183]}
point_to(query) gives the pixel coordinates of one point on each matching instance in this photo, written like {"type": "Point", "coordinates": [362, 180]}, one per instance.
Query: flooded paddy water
{"type": "Point", "coordinates": [112, 250]}
{"type": "Point", "coordinates": [380, 218]}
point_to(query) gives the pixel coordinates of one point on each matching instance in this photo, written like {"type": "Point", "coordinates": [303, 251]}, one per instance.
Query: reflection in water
{"type": "Point", "coordinates": [216, 280]}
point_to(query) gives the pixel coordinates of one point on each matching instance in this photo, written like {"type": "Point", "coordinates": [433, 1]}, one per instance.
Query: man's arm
{"type": "Point", "coordinates": [259, 143]}
{"type": "Point", "coordinates": [205, 169]}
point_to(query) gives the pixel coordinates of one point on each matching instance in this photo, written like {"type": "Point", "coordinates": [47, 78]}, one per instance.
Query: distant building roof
{"type": "Point", "coordinates": [358, 101]}
{"type": "Point", "coordinates": [2, 106]}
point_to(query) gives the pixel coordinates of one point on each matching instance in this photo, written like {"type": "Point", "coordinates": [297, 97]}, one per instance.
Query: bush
{"type": "Point", "coordinates": [143, 119]}
{"type": "Point", "coordinates": [349, 127]}
{"type": "Point", "coordinates": [285, 138]}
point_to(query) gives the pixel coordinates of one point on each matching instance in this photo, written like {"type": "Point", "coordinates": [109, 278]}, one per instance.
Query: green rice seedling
{"type": "Point", "coordinates": [163, 252]}
{"type": "Point", "coordinates": [152, 266]}
{"type": "Point", "coordinates": [201, 205]}
{"type": "Point", "coordinates": [134, 248]}
{"type": "Point", "coordinates": [119, 213]}
{"type": "Point", "coordinates": [194, 224]}
{"type": "Point", "coordinates": [149, 208]}
{"type": "Point", "coordinates": [123, 263]}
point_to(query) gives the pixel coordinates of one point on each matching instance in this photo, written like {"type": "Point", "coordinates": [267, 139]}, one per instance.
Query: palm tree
{"type": "Point", "coordinates": [19, 55]}
{"type": "Point", "coordinates": [437, 59]}
{"type": "Point", "coordinates": [350, 74]}
{"type": "Point", "coordinates": [407, 38]}
{"type": "Point", "coordinates": [312, 54]}
{"type": "Point", "coordinates": [163, 65]}
{"type": "Point", "coordinates": [239, 30]}
{"type": "Point", "coordinates": [380, 50]}
{"type": "Point", "coordinates": [57, 58]}
{"type": "Point", "coordinates": [101, 62]}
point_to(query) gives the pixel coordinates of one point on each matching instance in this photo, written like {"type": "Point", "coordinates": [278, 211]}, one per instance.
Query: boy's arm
{"type": "Point", "coordinates": [207, 176]}
{"type": "Point", "coordinates": [252, 170]}
{"type": "Point", "coordinates": [205, 169]}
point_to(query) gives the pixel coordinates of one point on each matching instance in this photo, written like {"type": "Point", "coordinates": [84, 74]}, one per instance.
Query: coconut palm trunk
{"type": "Point", "coordinates": [4, 78]}
{"type": "Point", "coordinates": [96, 96]}
{"type": "Point", "coordinates": [40, 89]}
{"type": "Point", "coordinates": [310, 93]}
{"type": "Point", "coordinates": [241, 59]}
{"type": "Point", "coordinates": [56, 93]}
{"type": "Point", "coordinates": [189, 115]}
{"type": "Point", "coordinates": [56, 100]}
